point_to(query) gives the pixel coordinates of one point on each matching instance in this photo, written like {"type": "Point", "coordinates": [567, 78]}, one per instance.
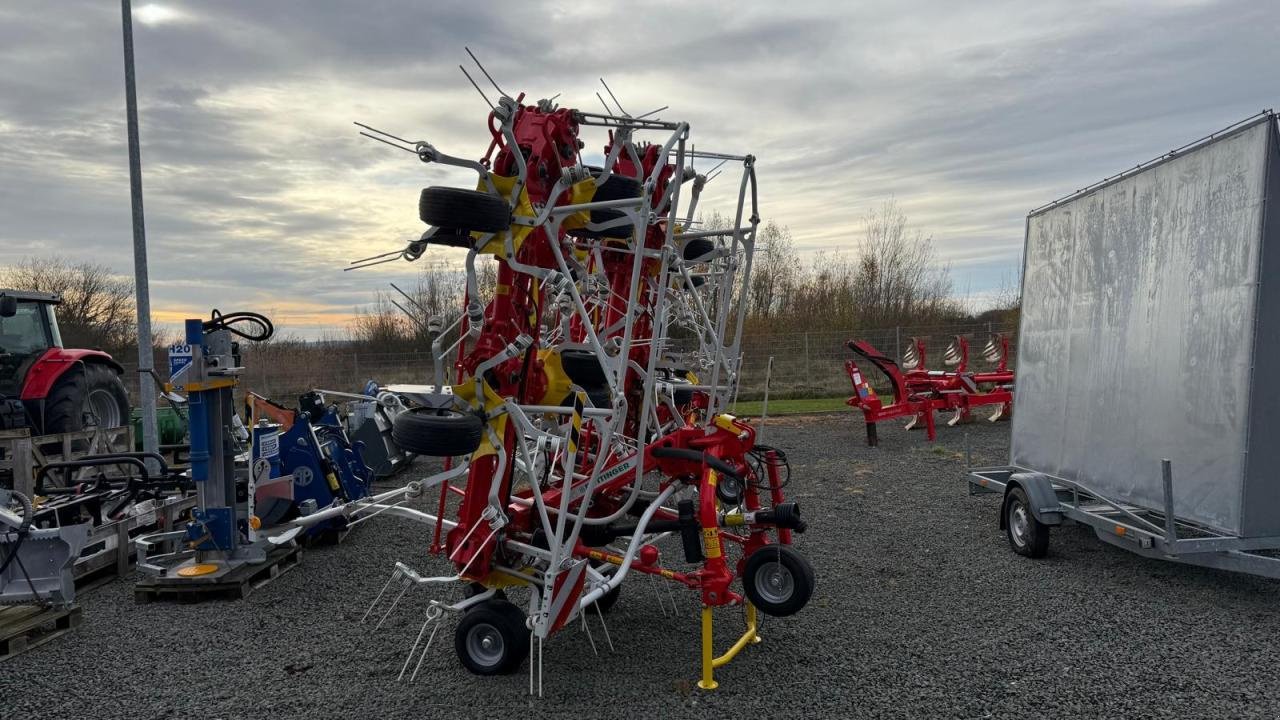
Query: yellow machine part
{"type": "Point", "coordinates": [198, 570]}
{"type": "Point", "coordinates": [579, 193]}
{"type": "Point", "coordinates": [492, 401]}
{"type": "Point", "coordinates": [558, 383]}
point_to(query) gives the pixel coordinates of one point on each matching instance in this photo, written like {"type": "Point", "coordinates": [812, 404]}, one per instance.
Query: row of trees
{"type": "Point", "coordinates": [891, 276]}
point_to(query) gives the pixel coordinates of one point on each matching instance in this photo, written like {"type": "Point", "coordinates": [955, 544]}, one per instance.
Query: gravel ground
{"type": "Point", "coordinates": [921, 610]}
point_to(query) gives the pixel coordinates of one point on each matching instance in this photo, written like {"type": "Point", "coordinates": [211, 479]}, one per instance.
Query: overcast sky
{"type": "Point", "coordinates": [258, 189]}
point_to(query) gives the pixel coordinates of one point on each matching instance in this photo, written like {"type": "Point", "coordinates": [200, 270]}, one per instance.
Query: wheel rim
{"type": "Point", "coordinates": [775, 583]}
{"type": "Point", "coordinates": [485, 645]}
{"type": "Point", "coordinates": [100, 405]}
{"type": "Point", "coordinates": [1019, 523]}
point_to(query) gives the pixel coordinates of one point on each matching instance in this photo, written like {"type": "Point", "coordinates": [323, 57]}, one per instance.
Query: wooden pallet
{"type": "Point", "coordinates": [234, 585]}
{"type": "Point", "coordinates": [22, 454]}
{"type": "Point", "coordinates": [23, 627]}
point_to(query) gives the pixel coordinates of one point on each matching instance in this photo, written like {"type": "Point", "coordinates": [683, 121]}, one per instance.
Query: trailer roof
{"type": "Point", "coordinates": [1267, 115]}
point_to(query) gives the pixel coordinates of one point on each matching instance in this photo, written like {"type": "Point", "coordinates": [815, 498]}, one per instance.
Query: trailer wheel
{"type": "Point", "coordinates": [1027, 536]}
{"type": "Point", "coordinates": [437, 433]}
{"type": "Point", "coordinates": [778, 580]}
{"type": "Point", "coordinates": [492, 638]}
{"type": "Point", "coordinates": [448, 207]}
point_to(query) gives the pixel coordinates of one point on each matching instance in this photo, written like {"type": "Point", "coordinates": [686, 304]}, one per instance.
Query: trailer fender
{"type": "Point", "coordinates": [1044, 500]}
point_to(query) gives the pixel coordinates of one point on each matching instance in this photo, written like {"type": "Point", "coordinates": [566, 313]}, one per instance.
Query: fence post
{"type": "Point", "coordinates": [807, 374]}
{"type": "Point", "coordinates": [355, 362]}
{"type": "Point", "coordinates": [897, 342]}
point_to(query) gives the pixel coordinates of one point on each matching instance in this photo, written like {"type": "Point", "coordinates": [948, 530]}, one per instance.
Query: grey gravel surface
{"type": "Point", "coordinates": [921, 611]}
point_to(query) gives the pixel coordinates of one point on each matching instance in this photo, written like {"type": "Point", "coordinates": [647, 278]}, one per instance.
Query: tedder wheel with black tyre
{"type": "Point", "coordinates": [91, 397]}
{"type": "Point", "coordinates": [1027, 536]}
{"type": "Point", "coordinates": [616, 187]}
{"type": "Point", "coordinates": [492, 638]}
{"type": "Point", "coordinates": [437, 432]}
{"type": "Point", "coordinates": [778, 580]}
{"type": "Point", "coordinates": [697, 249]}
{"type": "Point", "coordinates": [460, 209]}
{"type": "Point", "coordinates": [582, 367]}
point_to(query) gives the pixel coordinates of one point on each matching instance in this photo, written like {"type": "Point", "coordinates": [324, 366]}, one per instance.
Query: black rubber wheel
{"type": "Point", "coordinates": [463, 209]}
{"type": "Point", "coordinates": [1027, 536]}
{"type": "Point", "coordinates": [437, 433]}
{"type": "Point", "coordinates": [90, 397]}
{"type": "Point", "coordinates": [452, 237]}
{"type": "Point", "coordinates": [778, 580]}
{"type": "Point", "coordinates": [583, 369]}
{"type": "Point", "coordinates": [598, 399]}
{"type": "Point", "coordinates": [492, 638]}
{"type": "Point", "coordinates": [697, 249]}
{"type": "Point", "coordinates": [616, 187]}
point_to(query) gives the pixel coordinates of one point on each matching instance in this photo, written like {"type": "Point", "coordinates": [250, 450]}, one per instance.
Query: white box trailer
{"type": "Point", "coordinates": [1150, 339]}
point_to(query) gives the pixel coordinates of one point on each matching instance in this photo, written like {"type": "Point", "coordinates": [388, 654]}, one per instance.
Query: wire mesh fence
{"type": "Point", "coordinates": [805, 364]}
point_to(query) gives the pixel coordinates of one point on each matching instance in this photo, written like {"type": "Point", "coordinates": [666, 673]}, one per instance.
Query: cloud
{"type": "Point", "coordinates": [258, 189]}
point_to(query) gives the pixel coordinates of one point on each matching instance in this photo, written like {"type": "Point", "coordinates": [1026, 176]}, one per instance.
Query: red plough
{"type": "Point", "coordinates": [918, 392]}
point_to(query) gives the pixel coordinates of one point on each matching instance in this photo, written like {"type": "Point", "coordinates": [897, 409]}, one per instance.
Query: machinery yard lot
{"type": "Point", "coordinates": [921, 609]}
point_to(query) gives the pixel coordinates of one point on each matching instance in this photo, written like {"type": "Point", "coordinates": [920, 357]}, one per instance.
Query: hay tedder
{"type": "Point", "coordinates": [578, 449]}
{"type": "Point", "coordinates": [919, 392]}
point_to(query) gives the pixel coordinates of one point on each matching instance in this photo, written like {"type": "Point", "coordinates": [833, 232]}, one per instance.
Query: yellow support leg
{"type": "Point", "coordinates": [709, 661]}
{"type": "Point", "coordinates": [708, 681]}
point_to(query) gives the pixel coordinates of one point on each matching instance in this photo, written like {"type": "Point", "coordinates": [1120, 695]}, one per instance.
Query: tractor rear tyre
{"type": "Point", "coordinates": [437, 433]}
{"type": "Point", "coordinates": [460, 209]}
{"type": "Point", "coordinates": [85, 398]}
{"type": "Point", "coordinates": [492, 638]}
{"type": "Point", "coordinates": [778, 580]}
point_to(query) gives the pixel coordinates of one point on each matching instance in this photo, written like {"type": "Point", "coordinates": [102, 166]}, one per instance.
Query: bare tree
{"type": "Point", "coordinates": [97, 309]}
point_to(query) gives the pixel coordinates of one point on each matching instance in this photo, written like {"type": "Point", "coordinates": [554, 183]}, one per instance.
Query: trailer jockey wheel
{"type": "Point", "coordinates": [778, 580]}
{"type": "Point", "coordinates": [437, 433]}
{"type": "Point", "coordinates": [1027, 536]}
{"type": "Point", "coordinates": [492, 638]}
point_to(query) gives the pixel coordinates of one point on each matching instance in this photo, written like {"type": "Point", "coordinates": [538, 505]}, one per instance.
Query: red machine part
{"type": "Point", "coordinates": [920, 392]}
{"type": "Point", "coordinates": [54, 363]}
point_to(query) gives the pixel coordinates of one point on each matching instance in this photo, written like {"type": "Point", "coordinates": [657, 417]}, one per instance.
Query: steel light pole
{"type": "Point", "coordinates": [146, 386]}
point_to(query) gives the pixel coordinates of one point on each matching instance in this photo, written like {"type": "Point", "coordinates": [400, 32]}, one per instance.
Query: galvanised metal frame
{"type": "Point", "coordinates": [1145, 531]}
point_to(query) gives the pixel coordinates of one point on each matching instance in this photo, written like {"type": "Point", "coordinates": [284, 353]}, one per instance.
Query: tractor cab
{"type": "Point", "coordinates": [28, 328]}
{"type": "Point", "coordinates": [45, 386]}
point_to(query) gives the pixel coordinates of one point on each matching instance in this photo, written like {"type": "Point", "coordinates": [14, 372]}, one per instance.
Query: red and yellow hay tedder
{"type": "Point", "coordinates": [580, 448]}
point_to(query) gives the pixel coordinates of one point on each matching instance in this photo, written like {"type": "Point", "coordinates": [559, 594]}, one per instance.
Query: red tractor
{"type": "Point", "coordinates": [46, 387]}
